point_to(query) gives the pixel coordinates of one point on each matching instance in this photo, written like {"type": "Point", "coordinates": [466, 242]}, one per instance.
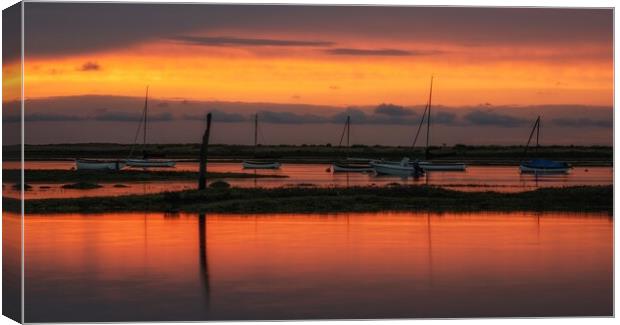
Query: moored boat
{"type": "Point", "coordinates": [430, 165]}
{"type": "Point", "coordinates": [256, 164]}
{"type": "Point", "coordinates": [404, 168]}
{"type": "Point", "coordinates": [351, 166]}
{"type": "Point", "coordinates": [544, 166]}
{"type": "Point", "coordinates": [541, 166]}
{"type": "Point", "coordinates": [437, 166]}
{"type": "Point", "coordinates": [356, 165]}
{"type": "Point", "coordinates": [146, 163]}
{"type": "Point", "coordinates": [98, 164]}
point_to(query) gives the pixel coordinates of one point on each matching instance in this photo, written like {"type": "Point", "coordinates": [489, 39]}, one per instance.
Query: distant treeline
{"type": "Point", "coordinates": [317, 153]}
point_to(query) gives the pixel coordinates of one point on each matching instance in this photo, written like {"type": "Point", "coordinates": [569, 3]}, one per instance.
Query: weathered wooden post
{"type": "Point", "coordinates": [202, 178]}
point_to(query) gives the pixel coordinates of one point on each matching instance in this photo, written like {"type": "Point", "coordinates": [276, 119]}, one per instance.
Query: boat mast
{"type": "Point", "coordinates": [146, 100]}
{"type": "Point", "coordinates": [536, 128]}
{"type": "Point", "coordinates": [537, 134]}
{"type": "Point", "coordinates": [428, 120]}
{"type": "Point", "coordinates": [348, 128]}
{"type": "Point", "coordinates": [255, 129]}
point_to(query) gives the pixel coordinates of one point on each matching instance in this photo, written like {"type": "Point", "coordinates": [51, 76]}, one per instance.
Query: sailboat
{"type": "Point", "coordinates": [350, 164]}
{"type": "Point", "coordinates": [259, 164]}
{"type": "Point", "coordinates": [147, 162]}
{"type": "Point", "coordinates": [541, 166]}
{"type": "Point", "coordinates": [435, 166]}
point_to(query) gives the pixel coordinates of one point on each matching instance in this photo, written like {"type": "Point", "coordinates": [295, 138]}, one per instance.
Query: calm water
{"type": "Point", "coordinates": [127, 267]}
{"type": "Point", "coordinates": [476, 178]}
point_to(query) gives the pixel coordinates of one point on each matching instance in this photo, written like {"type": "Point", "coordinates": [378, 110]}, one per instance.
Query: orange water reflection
{"type": "Point", "coordinates": [184, 267]}
{"type": "Point", "coordinates": [476, 178]}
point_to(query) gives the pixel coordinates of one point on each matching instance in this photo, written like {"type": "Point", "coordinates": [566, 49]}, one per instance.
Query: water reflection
{"type": "Point", "coordinates": [124, 267]}
{"type": "Point", "coordinates": [476, 178]}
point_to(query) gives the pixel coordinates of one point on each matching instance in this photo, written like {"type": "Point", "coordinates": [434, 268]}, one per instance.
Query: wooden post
{"type": "Point", "coordinates": [202, 178]}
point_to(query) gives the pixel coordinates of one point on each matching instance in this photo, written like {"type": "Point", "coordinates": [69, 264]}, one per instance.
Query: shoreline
{"type": "Point", "coordinates": [322, 200]}
{"type": "Point", "coordinates": [293, 161]}
{"type": "Point", "coordinates": [471, 154]}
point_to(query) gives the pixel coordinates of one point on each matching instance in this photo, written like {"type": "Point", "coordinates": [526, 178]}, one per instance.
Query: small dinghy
{"type": "Point", "coordinates": [98, 164]}
{"type": "Point", "coordinates": [404, 168]}
{"type": "Point", "coordinates": [351, 166]}
{"type": "Point", "coordinates": [541, 166]}
{"type": "Point", "coordinates": [146, 163]}
{"type": "Point", "coordinates": [255, 163]}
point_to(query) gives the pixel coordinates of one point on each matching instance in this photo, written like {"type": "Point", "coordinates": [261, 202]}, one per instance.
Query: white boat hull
{"type": "Point", "coordinates": [146, 163]}
{"type": "Point", "coordinates": [393, 169]}
{"type": "Point", "coordinates": [86, 164]}
{"type": "Point", "coordinates": [429, 166]}
{"type": "Point", "coordinates": [531, 170]}
{"type": "Point", "coordinates": [260, 165]}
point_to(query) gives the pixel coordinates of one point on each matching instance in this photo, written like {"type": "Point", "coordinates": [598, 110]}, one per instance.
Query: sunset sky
{"type": "Point", "coordinates": [318, 61]}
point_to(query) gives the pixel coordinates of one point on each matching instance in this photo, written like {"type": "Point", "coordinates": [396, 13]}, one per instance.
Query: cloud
{"type": "Point", "coordinates": [51, 117]}
{"type": "Point", "coordinates": [369, 52]}
{"type": "Point", "coordinates": [217, 116]}
{"type": "Point", "coordinates": [90, 66]}
{"type": "Point", "coordinates": [582, 122]}
{"type": "Point", "coordinates": [488, 118]}
{"type": "Point", "coordinates": [132, 117]}
{"type": "Point", "coordinates": [378, 116]}
{"type": "Point", "coordinates": [393, 110]}
{"type": "Point", "coordinates": [86, 27]}
{"type": "Point", "coordinates": [444, 118]}
{"type": "Point", "coordinates": [237, 41]}
{"type": "Point", "coordinates": [289, 118]}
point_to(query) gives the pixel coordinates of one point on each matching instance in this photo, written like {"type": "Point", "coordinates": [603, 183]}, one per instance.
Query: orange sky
{"type": "Point", "coordinates": [493, 68]}
{"type": "Point", "coordinates": [464, 76]}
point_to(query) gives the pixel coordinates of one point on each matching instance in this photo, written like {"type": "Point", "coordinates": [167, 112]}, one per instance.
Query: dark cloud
{"type": "Point", "coordinates": [444, 118]}
{"type": "Point", "coordinates": [51, 117]}
{"type": "Point", "coordinates": [393, 110]}
{"type": "Point", "coordinates": [236, 41]}
{"type": "Point", "coordinates": [217, 116]}
{"type": "Point", "coordinates": [369, 52]}
{"type": "Point", "coordinates": [90, 66]}
{"type": "Point", "coordinates": [290, 118]}
{"type": "Point", "coordinates": [490, 118]}
{"type": "Point", "coordinates": [63, 28]}
{"type": "Point", "coordinates": [128, 109]}
{"type": "Point", "coordinates": [384, 114]}
{"type": "Point", "coordinates": [583, 122]}
{"type": "Point", "coordinates": [11, 33]}
{"type": "Point", "coordinates": [132, 117]}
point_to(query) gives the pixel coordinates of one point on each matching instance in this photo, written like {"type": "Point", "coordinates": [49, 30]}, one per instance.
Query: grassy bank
{"type": "Point", "coordinates": [86, 176]}
{"type": "Point", "coordinates": [579, 155]}
{"type": "Point", "coordinates": [395, 198]}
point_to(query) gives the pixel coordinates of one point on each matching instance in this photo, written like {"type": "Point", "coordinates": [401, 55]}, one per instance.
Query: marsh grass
{"type": "Point", "coordinates": [354, 199]}
{"type": "Point", "coordinates": [81, 186]}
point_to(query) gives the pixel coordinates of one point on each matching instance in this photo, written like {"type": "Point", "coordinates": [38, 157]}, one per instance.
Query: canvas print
{"type": "Point", "coordinates": [199, 162]}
